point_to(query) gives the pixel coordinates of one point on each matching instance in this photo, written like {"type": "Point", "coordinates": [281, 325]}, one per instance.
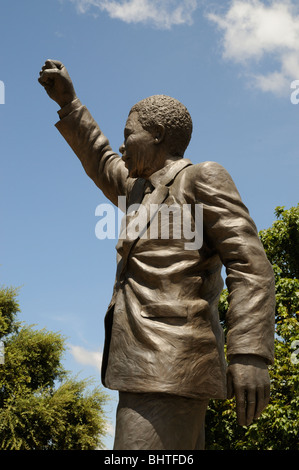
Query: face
{"type": "Point", "coordinates": [138, 150]}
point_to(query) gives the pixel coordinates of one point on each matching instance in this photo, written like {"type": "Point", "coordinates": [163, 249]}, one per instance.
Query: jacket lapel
{"type": "Point", "coordinates": [160, 181]}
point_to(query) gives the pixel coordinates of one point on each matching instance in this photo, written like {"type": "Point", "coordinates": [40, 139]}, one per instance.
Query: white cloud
{"type": "Point", "coordinates": [254, 31]}
{"type": "Point", "coordinates": [85, 357]}
{"type": "Point", "coordinates": [162, 14]}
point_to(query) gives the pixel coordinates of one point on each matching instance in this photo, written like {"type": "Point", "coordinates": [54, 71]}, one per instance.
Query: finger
{"type": "Point", "coordinates": [43, 79]}
{"type": "Point", "coordinates": [251, 406]}
{"type": "Point", "coordinates": [47, 75]}
{"type": "Point", "coordinates": [58, 64]}
{"type": "Point", "coordinates": [260, 402]}
{"type": "Point", "coordinates": [241, 406]}
{"type": "Point", "coordinates": [53, 64]}
{"type": "Point", "coordinates": [45, 70]}
{"type": "Point", "coordinates": [45, 82]}
{"type": "Point", "coordinates": [47, 65]}
{"type": "Point", "coordinates": [263, 395]}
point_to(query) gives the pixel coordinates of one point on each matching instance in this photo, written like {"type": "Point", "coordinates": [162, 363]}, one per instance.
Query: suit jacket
{"type": "Point", "coordinates": [162, 325]}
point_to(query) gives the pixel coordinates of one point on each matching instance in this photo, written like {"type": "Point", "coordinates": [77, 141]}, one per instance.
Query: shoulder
{"type": "Point", "coordinates": [209, 181]}
{"type": "Point", "coordinates": [208, 169]}
{"type": "Point", "coordinates": [207, 173]}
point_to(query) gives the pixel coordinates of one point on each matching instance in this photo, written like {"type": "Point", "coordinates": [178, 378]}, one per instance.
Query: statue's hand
{"type": "Point", "coordinates": [55, 79]}
{"type": "Point", "coordinates": [248, 379]}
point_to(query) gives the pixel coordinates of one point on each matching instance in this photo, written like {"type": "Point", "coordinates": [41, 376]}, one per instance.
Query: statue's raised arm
{"type": "Point", "coordinates": [80, 130]}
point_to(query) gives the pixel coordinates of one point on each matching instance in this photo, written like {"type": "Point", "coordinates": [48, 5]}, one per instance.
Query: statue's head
{"type": "Point", "coordinates": [158, 130]}
{"type": "Point", "coordinates": [172, 115]}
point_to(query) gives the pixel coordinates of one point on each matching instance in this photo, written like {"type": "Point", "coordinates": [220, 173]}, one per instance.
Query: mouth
{"type": "Point", "coordinates": [129, 165]}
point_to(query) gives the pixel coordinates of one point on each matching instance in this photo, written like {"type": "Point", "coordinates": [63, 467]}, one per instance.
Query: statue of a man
{"type": "Point", "coordinates": [164, 345]}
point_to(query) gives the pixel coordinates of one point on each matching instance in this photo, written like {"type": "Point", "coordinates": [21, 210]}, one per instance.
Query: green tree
{"type": "Point", "coordinates": [41, 406]}
{"type": "Point", "coordinates": [281, 242]}
{"type": "Point", "coordinates": [278, 426]}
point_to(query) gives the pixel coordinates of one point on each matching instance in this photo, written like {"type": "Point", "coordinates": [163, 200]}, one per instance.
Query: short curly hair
{"type": "Point", "coordinates": [172, 114]}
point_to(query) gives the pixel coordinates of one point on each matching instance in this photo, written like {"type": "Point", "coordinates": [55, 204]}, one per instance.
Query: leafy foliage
{"type": "Point", "coordinates": [278, 426]}
{"type": "Point", "coordinates": [281, 242]}
{"type": "Point", "coordinates": [8, 310]}
{"type": "Point", "coordinates": [41, 407]}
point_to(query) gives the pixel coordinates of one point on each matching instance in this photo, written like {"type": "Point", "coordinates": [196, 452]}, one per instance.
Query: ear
{"type": "Point", "coordinates": [159, 133]}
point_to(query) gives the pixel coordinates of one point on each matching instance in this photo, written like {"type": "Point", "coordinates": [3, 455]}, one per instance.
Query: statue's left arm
{"type": "Point", "coordinates": [250, 281]}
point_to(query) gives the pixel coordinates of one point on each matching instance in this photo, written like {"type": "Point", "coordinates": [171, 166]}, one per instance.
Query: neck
{"type": "Point", "coordinates": [162, 163]}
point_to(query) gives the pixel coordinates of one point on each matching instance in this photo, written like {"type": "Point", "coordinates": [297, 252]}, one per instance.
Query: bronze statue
{"type": "Point", "coordinates": [164, 345]}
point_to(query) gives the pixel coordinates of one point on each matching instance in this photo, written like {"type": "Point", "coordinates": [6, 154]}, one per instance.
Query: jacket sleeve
{"type": "Point", "coordinates": [231, 232]}
{"type": "Point", "coordinates": [101, 164]}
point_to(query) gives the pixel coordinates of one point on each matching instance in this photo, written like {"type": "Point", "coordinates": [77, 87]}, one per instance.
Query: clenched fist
{"type": "Point", "coordinates": [55, 79]}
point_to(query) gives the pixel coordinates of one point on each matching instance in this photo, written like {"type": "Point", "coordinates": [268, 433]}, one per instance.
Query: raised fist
{"type": "Point", "coordinates": [55, 79]}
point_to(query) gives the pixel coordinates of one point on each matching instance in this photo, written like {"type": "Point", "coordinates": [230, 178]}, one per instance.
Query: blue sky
{"type": "Point", "coordinates": [230, 62]}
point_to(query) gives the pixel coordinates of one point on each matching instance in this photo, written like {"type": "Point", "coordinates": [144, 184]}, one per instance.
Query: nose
{"type": "Point", "coordinates": [122, 149]}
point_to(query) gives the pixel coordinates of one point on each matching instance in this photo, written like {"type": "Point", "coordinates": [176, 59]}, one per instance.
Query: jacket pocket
{"type": "Point", "coordinates": [164, 310]}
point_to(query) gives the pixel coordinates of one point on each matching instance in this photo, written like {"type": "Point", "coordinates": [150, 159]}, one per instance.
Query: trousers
{"type": "Point", "coordinates": [158, 421]}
